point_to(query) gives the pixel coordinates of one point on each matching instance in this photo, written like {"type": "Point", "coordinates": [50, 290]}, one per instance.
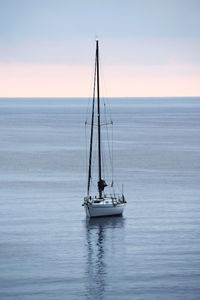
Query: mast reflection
{"type": "Point", "coordinates": [99, 233]}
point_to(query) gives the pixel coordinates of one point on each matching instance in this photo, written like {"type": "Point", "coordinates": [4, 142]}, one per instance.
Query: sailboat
{"type": "Point", "coordinates": [106, 202]}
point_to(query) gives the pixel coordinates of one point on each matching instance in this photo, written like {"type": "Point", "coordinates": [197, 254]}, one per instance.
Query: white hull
{"type": "Point", "coordinates": [101, 209]}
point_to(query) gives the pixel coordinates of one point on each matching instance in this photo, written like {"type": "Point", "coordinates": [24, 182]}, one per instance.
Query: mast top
{"type": "Point", "coordinates": [96, 37]}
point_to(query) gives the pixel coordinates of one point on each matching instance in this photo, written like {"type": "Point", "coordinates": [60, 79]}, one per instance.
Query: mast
{"type": "Point", "coordinates": [99, 121]}
{"type": "Point", "coordinates": [101, 183]}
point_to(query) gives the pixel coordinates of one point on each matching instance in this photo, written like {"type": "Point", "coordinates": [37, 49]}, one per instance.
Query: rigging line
{"type": "Point", "coordinates": [104, 87]}
{"type": "Point", "coordinates": [86, 152]}
{"type": "Point", "coordinates": [110, 144]}
{"type": "Point", "coordinates": [105, 166]}
{"type": "Point", "coordinates": [107, 115]}
{"type": "Point", "coordinates": [88, 107]}
{"type": "Point", "coordinates": [110, 153]}
{"type": "Point", "coordinates": [109, 110]}
{"type": "Point", "coordinates": [105, 156]}
{"type": "Point", "coordinates": [118, 188]}
{"type": "Point", "coordinates": [91, 134]}
{"type": "Point", "coordinates": [106, 123]}
{"type": "Point", "coordinates": [106, 170]}
{"type": "Point", "coordinates": [94, 165]}
{"type": "Point", "coordinates": [104, 161]}
{"type": "Point", "coordinates": [87, 111]}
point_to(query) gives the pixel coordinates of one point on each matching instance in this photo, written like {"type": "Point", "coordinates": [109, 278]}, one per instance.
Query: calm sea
{"type": "Point", "coordinates": [48, 250]}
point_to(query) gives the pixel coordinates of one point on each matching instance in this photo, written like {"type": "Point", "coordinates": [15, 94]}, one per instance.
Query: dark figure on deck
{"type": "Point", "coordinates": [101, 185]}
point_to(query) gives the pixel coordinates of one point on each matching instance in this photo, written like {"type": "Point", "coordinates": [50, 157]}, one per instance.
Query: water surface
{"type": "Point", "coordinates": [48, 250]}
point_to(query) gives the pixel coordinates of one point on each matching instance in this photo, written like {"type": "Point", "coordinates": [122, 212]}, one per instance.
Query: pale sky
{"type": "Point", "coordinates": [147, 47]}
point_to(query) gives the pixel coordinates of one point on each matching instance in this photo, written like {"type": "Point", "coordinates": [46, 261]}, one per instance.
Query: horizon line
{"type": "Point", "coordinates": [86, 97]}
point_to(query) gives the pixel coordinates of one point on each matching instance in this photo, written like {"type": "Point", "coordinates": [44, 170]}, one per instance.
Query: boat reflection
{"type": "Point", "coordinates": [103, 236]}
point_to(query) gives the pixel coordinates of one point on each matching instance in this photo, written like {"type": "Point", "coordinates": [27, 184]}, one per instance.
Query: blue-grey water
{"type": "Point", "coordinates": [48, 250]}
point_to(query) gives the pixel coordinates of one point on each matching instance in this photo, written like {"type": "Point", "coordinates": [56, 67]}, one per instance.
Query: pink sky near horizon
{"type": "Point", "coordinates": [60, 80]}
{"type": "Point", "coordinates": [147, 48]}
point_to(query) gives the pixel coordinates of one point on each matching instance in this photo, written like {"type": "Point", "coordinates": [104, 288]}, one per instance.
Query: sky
{"type": "Point", "coordinates": [147, 47]}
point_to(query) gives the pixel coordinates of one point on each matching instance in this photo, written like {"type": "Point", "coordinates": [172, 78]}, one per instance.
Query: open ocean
{"type": "Point", "coordinates": [49, 250]}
